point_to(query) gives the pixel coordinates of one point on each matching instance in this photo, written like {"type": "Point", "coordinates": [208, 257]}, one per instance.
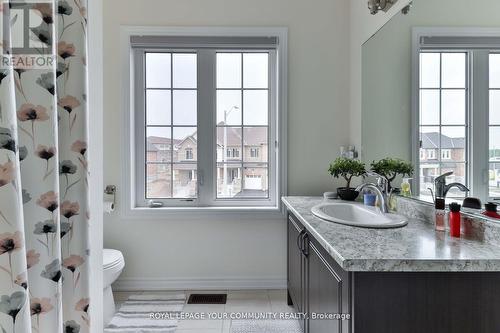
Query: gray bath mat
{"type": "Point", "coordinates": [134, 316]}
{"type": "Point", "coordinates": [265, 326]}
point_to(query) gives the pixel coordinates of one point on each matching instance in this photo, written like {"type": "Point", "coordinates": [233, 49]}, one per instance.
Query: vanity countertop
{"type": "Point", "coordinates": [415, 247]}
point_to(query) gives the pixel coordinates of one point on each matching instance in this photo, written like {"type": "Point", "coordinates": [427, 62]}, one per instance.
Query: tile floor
{"type": "Point", "coordinates": [237, 301]}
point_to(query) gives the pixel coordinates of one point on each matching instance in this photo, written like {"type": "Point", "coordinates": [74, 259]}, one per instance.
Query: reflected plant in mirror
{"type": "Point", "coordinates": [390, 168]}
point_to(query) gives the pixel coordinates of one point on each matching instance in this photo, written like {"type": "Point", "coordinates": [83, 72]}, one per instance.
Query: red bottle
{"type": "Point", "coordinates": [491, 210]}
{"type": "Point", "coordinates": [455, 219]}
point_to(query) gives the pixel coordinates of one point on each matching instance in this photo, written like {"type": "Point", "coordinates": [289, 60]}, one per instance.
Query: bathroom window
{"type": "Point", "coordinates": [458, 105]}
{"type": "Point", "coordinates": [201, 102]}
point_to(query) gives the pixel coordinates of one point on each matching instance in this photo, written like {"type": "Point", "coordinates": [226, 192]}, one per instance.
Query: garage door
{"type": "Point", "coordinates": [253, 182]}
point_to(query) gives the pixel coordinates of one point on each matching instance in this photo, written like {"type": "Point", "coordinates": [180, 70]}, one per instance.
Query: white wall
{"type": "Point", "coordinates": [386, 94]}
{"type": "Point", "coordinates": [244, 251]}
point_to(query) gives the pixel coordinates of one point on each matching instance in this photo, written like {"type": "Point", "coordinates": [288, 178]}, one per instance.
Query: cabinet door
{"type": "Point", "coordinates": [324, 290]}
{"type": "Point", "coordinates": [295, 264]}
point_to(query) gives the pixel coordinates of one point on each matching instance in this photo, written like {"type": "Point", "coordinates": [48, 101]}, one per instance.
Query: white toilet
{"type": "Point", "coordinates": [113, 264]}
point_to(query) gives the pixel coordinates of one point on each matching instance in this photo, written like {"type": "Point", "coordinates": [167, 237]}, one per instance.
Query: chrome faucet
{"type": "Point", "coordinates": [380, 190]}
{"type": "Point", "coordinates": [442, 188]}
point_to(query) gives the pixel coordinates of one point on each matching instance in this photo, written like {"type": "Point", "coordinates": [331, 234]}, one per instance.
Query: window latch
{"type": "Point", "coordinates": [155, 204]}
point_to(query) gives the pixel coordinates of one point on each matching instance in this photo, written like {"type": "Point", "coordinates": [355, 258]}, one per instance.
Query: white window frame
{"type": "Point", "coordinates": [446, 154]}
{"type": "Point", "coordinates": [431, 154]}
{"type": "Point", "coordinates": [130, 208]}
{"type": "Point", "coordinates": [477, 167]}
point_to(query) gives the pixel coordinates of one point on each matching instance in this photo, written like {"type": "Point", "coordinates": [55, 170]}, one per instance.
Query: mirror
{"type": "Point", "coordinates": [431, 95]}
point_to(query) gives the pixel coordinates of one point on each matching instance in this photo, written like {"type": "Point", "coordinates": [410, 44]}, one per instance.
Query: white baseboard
{"type": "Point", "coordinates": [139, 284]}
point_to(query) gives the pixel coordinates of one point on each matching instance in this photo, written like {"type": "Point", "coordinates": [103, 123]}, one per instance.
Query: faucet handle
{"type": "Point", "coordinates": [443, 176]}
{"type": "Point", "coordinates": [382, 182]}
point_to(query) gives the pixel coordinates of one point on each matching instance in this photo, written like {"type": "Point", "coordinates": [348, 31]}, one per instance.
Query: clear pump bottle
{"type": "Point", "coordinates": [440, 215]}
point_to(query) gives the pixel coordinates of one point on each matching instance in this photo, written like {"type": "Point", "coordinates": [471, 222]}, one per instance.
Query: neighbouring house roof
{"type": "Point", "coordinates": [253, 136]}
{"type": "Point", "coordinates": [150, 147]}
{"type": "Point", "coordinates": [152, 141]}
{"type": "Point", "coordinates": [431, 140]}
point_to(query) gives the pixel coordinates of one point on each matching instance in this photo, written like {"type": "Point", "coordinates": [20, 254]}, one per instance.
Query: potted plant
{"type": "Point", "coordinates": [390, 168]}
{"type": "Point", "coordinates": [347, 169]}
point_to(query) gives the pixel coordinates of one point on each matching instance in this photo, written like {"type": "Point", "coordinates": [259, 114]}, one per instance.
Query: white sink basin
{"type": "Point", "coordinates": [358, 215]}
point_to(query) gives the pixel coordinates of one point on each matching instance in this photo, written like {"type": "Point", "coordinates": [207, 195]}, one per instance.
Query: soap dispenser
{"type": "Point", "coordinates": [406, 187]}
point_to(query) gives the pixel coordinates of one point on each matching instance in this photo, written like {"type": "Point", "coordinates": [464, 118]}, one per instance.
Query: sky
{"type": "Point", "coordinates": [247, 107]}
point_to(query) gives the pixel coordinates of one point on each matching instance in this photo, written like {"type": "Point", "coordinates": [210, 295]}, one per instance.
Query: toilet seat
{"type": "Point", "coordinates": [111, 258]}
{"type": "Point", "coordinates": [113, 264]}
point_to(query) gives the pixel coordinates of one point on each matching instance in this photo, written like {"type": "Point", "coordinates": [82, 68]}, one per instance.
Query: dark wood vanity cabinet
{"type": "Point", "coordinates": [386, 302]}
{"type": "Point", "coordinates": [317, 286]}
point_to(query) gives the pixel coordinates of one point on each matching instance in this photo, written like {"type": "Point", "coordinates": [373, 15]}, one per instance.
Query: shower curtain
{"type": "Point", "coordinates": [44, 217]}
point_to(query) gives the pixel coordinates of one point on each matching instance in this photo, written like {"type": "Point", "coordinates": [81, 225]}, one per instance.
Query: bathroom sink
{"type": "Point", "coordinates": [358, 215]}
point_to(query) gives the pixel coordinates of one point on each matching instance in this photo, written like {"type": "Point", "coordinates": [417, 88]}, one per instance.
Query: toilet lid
{"type": "Point", "coordinates": [111, 257]}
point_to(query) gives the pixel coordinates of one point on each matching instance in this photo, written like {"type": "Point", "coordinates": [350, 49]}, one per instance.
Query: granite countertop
{"type": "Point", "coordinates": [416, 247]}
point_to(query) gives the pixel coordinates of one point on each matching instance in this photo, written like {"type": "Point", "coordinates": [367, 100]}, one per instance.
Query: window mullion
{"type": "Point", "coordinates": [479, 128]}
{"type": "Point", "coordinates": [206, 124]}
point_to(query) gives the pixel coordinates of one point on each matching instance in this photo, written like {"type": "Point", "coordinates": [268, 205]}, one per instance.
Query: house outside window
{"type": "Point", "coordinates": [191, 151]}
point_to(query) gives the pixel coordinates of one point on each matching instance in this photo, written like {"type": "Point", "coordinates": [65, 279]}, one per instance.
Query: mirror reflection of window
{"type": "Point", "coordinates": [443, 121]}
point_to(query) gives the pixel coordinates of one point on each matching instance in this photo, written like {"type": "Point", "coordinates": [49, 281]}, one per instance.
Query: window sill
{"type": "Point", "coordinates": [204, 213]}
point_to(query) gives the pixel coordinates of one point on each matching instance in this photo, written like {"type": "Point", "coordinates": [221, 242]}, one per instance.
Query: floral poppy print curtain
{"type": "Point", "coordinates": [44, 216]}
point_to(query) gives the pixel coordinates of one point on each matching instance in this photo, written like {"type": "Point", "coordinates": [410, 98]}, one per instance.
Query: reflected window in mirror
{"type": "Point", "coordinates": [443, 121]}
{"type": "Point", "coordinates": [457, 99]}
{"type": "Point", "coordinates": [494, 125]}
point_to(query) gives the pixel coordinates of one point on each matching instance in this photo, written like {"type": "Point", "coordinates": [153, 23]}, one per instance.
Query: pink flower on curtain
{"type": "Point", "coordinates": [7, 176]}
{"type": "Point", "coordinates": [72, 263]}
{"type": "Point", "coordinates": [65, 50]}
{"type": "Point", "coordinates": [38, 307]}
{"type": "Point", "coordinates": [79, 147]}
{"type": "Point", "coordinates": [30, 112]}
{"type": "Point", "coordinates": [69, 103]}
{"type": "Point", "coordinates": [22, 280]}
{"type": "Point", "coordinates": [10, 242]}
{"type": "Point", "coordinates": [7, 173]}
{"type": "Point", "coordinates": [69, 209]}
{"type": "Point", "coordinates": [48, 201]}
{"type": "Point", "coordinates": [32, 258]}
{"type": "Point", "coordinates": [83, 305]}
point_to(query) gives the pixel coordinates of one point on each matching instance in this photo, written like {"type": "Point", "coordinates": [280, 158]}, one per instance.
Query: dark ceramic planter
{"type": "Point", "coordinates": [347, 193]}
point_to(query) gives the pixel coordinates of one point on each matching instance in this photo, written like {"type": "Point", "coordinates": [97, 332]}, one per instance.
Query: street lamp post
{"type": "Point", "coordinates": [224, 151]}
